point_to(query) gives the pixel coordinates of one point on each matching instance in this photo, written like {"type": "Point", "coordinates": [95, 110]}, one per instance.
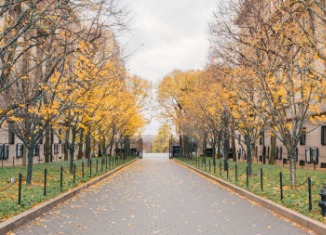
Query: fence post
{"type": "Point", "coordinates": [247, 176]}
{"type": "Point", "coordinates": [220, 168]}
{"type": "Point", "coordinates": [13, 161]}
{"type": "Point", "coordinates": [61, 177]}
{"type": "Point", "coordinates": [90, 168]}
{"type": "Point", "coordinates": [20, 188]}
{"type": "Point", "coordinates": [45, 176]}
{"type": "Point", "coordinates": [96, 165]}
{"type": "Point", "coordinates": [83, 167]}
{"type": "Point", "coordinates": [106, 163]}
{"type": "Point", "coordinates": [281, 185]}
{"type": "Point", "coordinates": [261, 179]}
{"type": "Point", "coordinates": [74, 173]}
{"type": "Point", "coordinates": [309, 192]}
{"type": "Point", "coordinates": [236, 172]}
{"type": "Point", "coordinates": [209, 165]}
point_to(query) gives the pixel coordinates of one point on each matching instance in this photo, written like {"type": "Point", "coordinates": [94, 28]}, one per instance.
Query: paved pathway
{"type": "Point", "coordinates": [158, 196]}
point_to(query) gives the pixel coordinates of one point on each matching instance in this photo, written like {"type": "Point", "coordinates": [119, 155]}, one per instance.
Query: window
{"type": "Point", "coordinates": [261, 138]}
{"type": "Point", "coordinates": [239, 139]}
{"type": "Point", "coordinates": [307, 155]}
{"type": "Point", "coordinates": [276, 153]}
{"type": "Point", "coordinates": [6, 152]}
{"type": "Point", "coordinates": [56, 148]}
{"type": "Point", "coordinates": [303, 136]}
{"type": "Point", "coordinates": [36, 151]}
{"type": "Point", "coordinates": [281, 154]}
{"type": "Point", "coordinates": [314, 155]}
{"type": "Point", "coordinates": [323, 135]}
{"type": "Point", "coordinates": [19, 150]}
{"type": "Point", "coordinates": [11, 135]}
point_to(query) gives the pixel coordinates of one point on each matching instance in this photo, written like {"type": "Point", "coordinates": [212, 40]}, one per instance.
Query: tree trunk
{"type": "Point", "coordinates": [47, 144]}
{"type": "Point", "coordinates": [88, 145]}
{"type": "Point", "coordinates": [234, 155]}
{"type": "Point", "coordinates": [66, 149]}
{"type": "Point", "coordinates": [30, 164]}
{"type": "Point", "coordinates": [249, 157]}
{"type": "Point", "coordinates": [272, 152]}
{"type": "Point", "coordinates": [72, 150]}
{"type": "Point", "coordinates": [80, 145]}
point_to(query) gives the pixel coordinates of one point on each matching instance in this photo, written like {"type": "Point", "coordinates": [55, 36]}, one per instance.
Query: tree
{"type": "Point", "coordinates": [161, 140]}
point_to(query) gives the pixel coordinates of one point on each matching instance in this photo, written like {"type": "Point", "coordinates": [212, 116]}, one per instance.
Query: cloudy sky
{"type": "Point", "coordinates": [166, 35]}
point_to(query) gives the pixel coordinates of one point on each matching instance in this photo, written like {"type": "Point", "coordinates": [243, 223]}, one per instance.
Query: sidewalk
{"type": "Point", "coordinates": [158, 196]}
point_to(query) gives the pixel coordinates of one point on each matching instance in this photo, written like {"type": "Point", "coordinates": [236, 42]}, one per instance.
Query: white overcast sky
{"type": "Point", "coordinates": [166, 35]}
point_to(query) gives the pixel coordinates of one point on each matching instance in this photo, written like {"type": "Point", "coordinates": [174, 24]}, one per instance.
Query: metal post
{"type": "Point", "coordinates": [247, 176]}
{"type": "Point", "coordinates": [83, 167]}
{"type": "Point", "coordinates": [209, 165]}
{"type": "Point", "coordinates": [106, 163]}
{"type": "Point", "coordinates": [261, 179]}
{"type": "Point", "coordinates": [13, 161]}
{"type": "Point", "coordinates": [236, 172]}
{"type": "Point", "coordinates": [90, 168]}
{"type": "Point", "coordinates": [220, 168]}
{"type": "Point", "coordinates": [61, 177]}
{"type": "Point", "coordinates": [96, 165]}
{"type": "Point", "coordinates": [74, 173]}
{"type": "Point", "coordinates": [281, 185]}
{"type": "Point", "coordinates": [20, 188]}
{"type": "Point", "coordinates": [309, 192]}
{"type": "Point", "coordinates": [45, 176]}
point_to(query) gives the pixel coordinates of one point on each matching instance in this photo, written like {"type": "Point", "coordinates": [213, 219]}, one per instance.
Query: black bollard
{"type": "Point", "coordinates": [61, 177]}
{"type": "Point", "coordinates": [281, 186]}
{"type": "Point", "coordinates": [45, 176]}
{"type": "Point", "coordinates": [20, 188]}
{"type": "Point", "coordinates": [247, 176]}
{"type": "Point", "coordinates": [83, 168]}
{"type": "Point", "coordinates": [309, 194]}
{"type": "Point", "coordinates": [90, 168]}
{"type": "Point", "coordinates": [74, 174]}
{"type": "Point", "coordinates": [261, 179]}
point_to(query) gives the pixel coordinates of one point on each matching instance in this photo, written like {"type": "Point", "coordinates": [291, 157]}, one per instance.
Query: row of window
{"type": "Point", "coordinates": [311, 154]}
{"type": "Point", "coordinates": [4, 150]}
{"type": "Point", "coordinates": [303, 137]}
{"type": "Point", "coordinates": [11, 137]}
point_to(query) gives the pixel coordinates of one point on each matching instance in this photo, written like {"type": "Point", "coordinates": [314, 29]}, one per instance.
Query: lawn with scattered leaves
{"type": "Point", "coordinates": [296, 199]}
{"type": "Point", "coordinates": [34, 194]}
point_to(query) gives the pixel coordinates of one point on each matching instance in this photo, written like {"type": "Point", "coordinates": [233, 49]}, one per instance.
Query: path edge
{"type": "Point", "coordinates": [294, 216]}
{"type": "Point", "coordinates": [34, 212]}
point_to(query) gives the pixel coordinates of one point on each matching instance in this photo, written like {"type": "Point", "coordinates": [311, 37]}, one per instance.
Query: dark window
{"type": "Point", "coordinates": [323, 135]}
{"type": "Point", "coordinates": [239, 139]}
{"type": "Point", "coordinates": [11, 135]}
{"type": "Point", "coordinates": [56, 148]}
{"type": "Point", "coordinates": [303, 136]}
{"type": "Point", "coordinates": [261, 138]}
{"type": "Point", "coordinates": [19, 150]}
{"type": "Point", "coordinates": [1, 151]}
{"type": "Point", "coordinates": [281, 154]}
{"type": "Point", "coordinates": [296, 154]}
{"type": "Point", "coordinates": [62, 148]}
{"type": "Point", "coordinates": [314, 155]}
{"type": "Point", "coordinates": [36, 150]}
{"type": "Point", "coordinates": [276, 153]}
{"type": "Point", "coordinates": [6, 152]}
{"type": "Point", "coordinates": [268, 151]}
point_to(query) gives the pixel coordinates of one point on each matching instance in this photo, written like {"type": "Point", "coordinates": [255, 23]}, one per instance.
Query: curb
{"type": "Point", "coordinates": [294, 216]}
{"type": "Point", "coordinates": [32, 213]}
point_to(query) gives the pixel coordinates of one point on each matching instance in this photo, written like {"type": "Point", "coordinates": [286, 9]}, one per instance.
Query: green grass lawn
{"type": "Point", "coordinates": [34, 194]}
{"type": "Point", "coordinates": [296, 199]}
